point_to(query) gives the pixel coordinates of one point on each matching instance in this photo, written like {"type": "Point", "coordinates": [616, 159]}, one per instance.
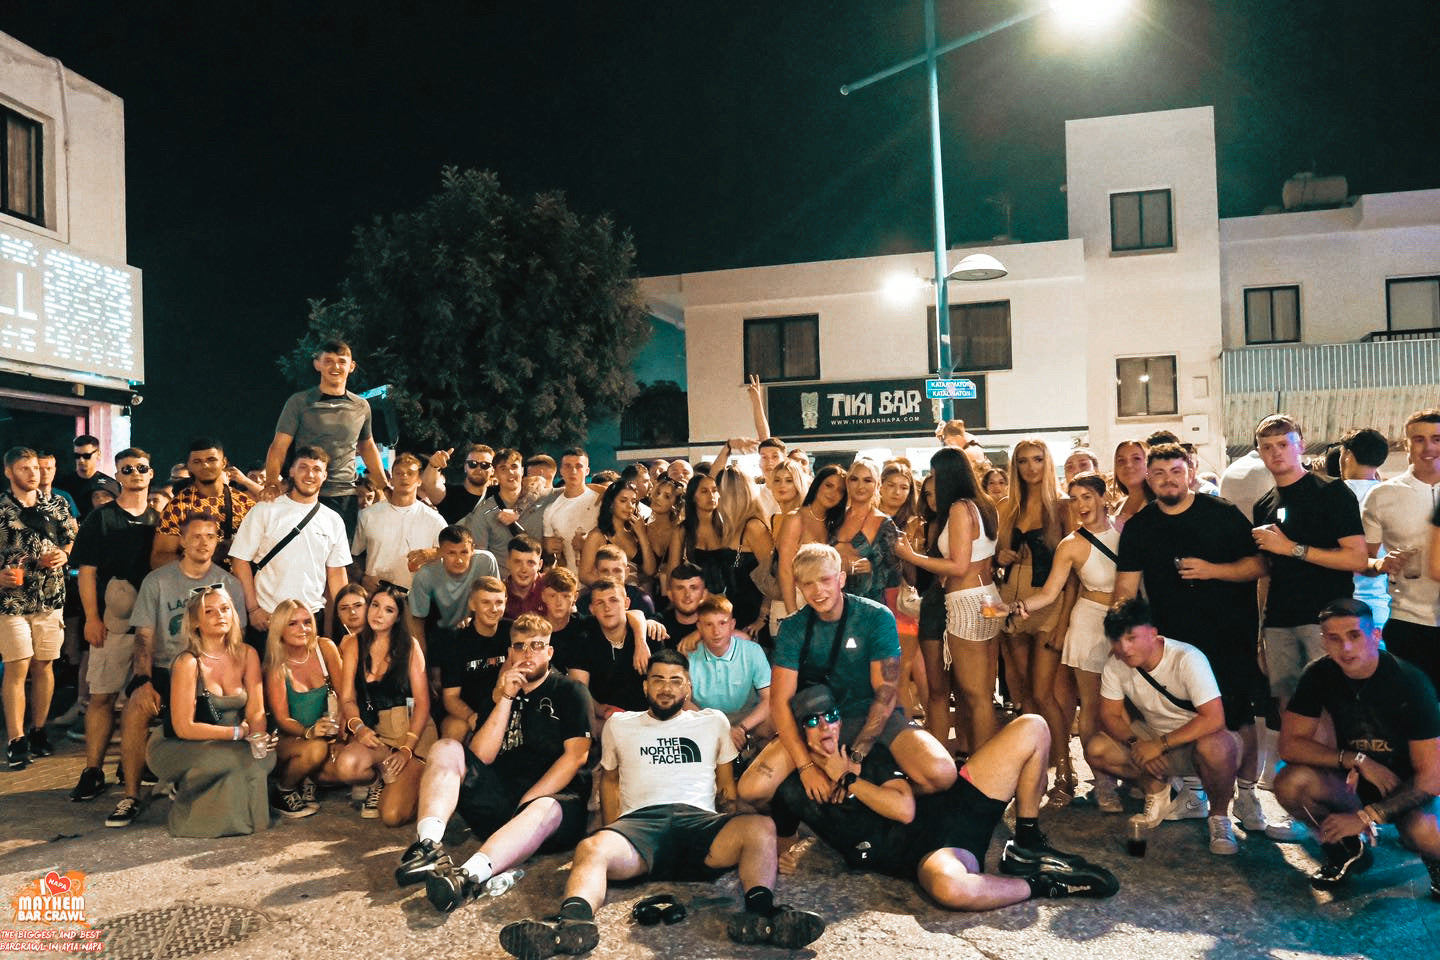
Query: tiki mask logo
{"type": "Point", "coordinates": [810, 410]}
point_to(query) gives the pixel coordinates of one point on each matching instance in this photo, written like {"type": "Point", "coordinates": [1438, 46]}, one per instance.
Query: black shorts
{"type": "Point", "coordinates": [488, 801]}
{"type": "Point", "coordinates": [961, 817]}
{"type": "Point", "coordinates": [895, 725]}
{"type": "Point", "coordinates": [931, 622]}
{"type": "Point", "coordinates": [673, 839]}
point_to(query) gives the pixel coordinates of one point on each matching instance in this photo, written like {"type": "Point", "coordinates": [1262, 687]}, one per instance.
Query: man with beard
{"type": "Point", "coordinates": [206, 493]}
{"type": "Point", "coordinates": [661, 771]}
{"type": "Point", "coordinates": [876, 822]}
{"type": "Point", "coordinates": [1199, 561]}
{"type": "Point", "coordinates": [520, 781]}
{"type": "Point", "coordinates": [455, 502]}
{"type": "Point", "coordinates": [291, 547]}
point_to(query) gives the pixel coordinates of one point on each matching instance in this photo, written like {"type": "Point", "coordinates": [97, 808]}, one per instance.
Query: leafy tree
{"type": "Point", "coordinates": [492, 318]}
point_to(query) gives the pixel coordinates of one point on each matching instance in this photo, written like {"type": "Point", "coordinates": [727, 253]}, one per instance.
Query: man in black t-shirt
{"type": "Point", "coordinates": [607, 660]}
{"type": "Point", "coordinates": [684, 594]}
{"type": "Point", "coordinates": [876, 822]}
{"type": "Point", "coordinates": [520, 782]}
{"type": "Point", "coordinates": [1309, 529]}
{"type": "Point", "coordinates": [470, 659]}
{"type": "Point", "coordinates": [1387, 767]}
{"type": "Point", "coordinates": [455, 502]}
{"type": "Point", "coordinates": [1198, 560]}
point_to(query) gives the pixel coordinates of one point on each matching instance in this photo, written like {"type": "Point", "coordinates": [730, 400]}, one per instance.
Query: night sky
{"type": "Point", "coordinates": [260, 134]}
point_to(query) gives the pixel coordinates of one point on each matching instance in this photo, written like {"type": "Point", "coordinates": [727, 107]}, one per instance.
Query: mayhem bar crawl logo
{"type": "Point", "coordinates": [49, 915]}
{"type": "Point", "coordinates": [672, 750]}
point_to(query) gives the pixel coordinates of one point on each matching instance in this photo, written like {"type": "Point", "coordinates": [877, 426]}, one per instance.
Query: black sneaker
{"type": "Point", "coordinates": [537, 939]}
{"type": "Point", "coordinates": [40, 743]}
{"type": "Point", "coordinates": [91, 785]}
{"type": "Point", "coordinates": [289, 804]}
{"type": "Point", "coordinates": [786, 927]}
{"type": "Point", "coordinates": [449, 887]}
{"type": "Point", "coordinates": [418, 862]}
{"type": "Point", "coordinates": [1342, 860]}
{"type": "Point", "coordinates": [1083, 879]}
{"type": "Point", "coordinates": [124, 813]}
{"type": "Point", "coordinates": [18, 754]}
{"type": "Point", "coordinates": [1018, 861]}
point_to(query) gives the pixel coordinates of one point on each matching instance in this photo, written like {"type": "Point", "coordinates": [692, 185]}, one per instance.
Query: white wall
{"type": "Point", "coordinates": [1339, 258]}
{"type": "Point", "coordinates": [1151, 303]}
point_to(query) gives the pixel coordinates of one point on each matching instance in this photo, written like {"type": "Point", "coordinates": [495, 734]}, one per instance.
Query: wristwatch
{"type": "Point", "coordinates": [1299, 551]}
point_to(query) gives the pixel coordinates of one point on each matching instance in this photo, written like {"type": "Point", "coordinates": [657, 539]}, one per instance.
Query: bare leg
{"type": "Point", "coordinates": [16, 672]}
{"type": "Point", "coordinates": [763, 777]}
{"type": "Point", "coordinates": [1216, 756]}
{"type": "Point", "coordinates": [603, 856]}
{"type": "Point", "coordinates": [99, 725]}
{"type": "Point", "coordinates": [975, 664]}
{"type": "Point", "coordinates": [298, 758]}
{"type": "Point", "coordinates": [748, 842]}
{"type": "Point", "coordinates": [42, 690]}
{"type": "Point", "coordinates": [937, 689]}
{"type": "Point", "coordinates": [1014, 764]}
{"type": "Point", "coordinates": [1044, 662]}
{"type": "Point", "coordinates": [1017, 669]}
{"type": "Point", "coordinates": [923, 760]}
{"type": "Point", "coordinates": [953, 879]}
{"type": "Point", "coordinates": [440, 784]}
{"type": "Point", "coordinates": [135, 719]}
{"type": "Point", "coordinates": [522, 834]}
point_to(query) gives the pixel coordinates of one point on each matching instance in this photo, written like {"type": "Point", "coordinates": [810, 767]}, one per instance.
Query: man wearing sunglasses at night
{"type": "Point", "coordinates": [877, 822]}
{"type": "Point", "coordinates": [112, 554]}
{"type": "Point", "coordinates": [661, 773]}
{"type": "Point", "coordinates": [520, 781]}
{"type": "Point", "coordinates": [455, 502]}
{"type": "Point", "coordinates": [87, 475]}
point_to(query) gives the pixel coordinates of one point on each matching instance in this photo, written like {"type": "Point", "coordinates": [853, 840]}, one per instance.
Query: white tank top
{"type": "Point", "coordinates": [981, 548]}
{"type": "Point", "coordinates": [1097, 573]}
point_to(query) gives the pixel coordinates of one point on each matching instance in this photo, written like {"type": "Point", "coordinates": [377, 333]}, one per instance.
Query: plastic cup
{"type": "Point", "coordinates": [258, 747]}
{"type": "Point", "coordinates": [1137, 838]}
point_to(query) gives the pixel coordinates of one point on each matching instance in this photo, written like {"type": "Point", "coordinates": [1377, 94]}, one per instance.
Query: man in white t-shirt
{"type": "Point", "coordinates": [310, 567]}
{"type": "Point", "coordinates": [390, 532]}
{"type": "Point", "coordinates": [572, 515]}
{"type": "Point", "coordinates": [1181, 730]}
{"type": "Point", "coordinates": [1246, 480]}
{"type": "Point", "coordinates": [661, 771]}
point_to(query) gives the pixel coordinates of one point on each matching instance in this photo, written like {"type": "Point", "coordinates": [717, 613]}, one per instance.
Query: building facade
{"type": "Point", "coordinates": [71, 347]}
{"type": "Point", "coordinates": [1153, 314]}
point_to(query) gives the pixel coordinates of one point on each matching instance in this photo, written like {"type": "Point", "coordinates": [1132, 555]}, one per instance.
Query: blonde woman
{"type": "Point", "coordinates": [214, 747]}
{"type": "Point", "coordinates": [665, 504]}
{"type": "Point", "coordinates": [385, 710]}
{"type": "Point", "coordinates": [1032, 524]}
{"type": "Point", "coordinates": [300, 672]}
{"type": "Point", "coordinates": [747, 538]}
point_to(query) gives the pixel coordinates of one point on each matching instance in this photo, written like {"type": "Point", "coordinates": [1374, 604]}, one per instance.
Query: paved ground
{"type": "Point", "coordinates": [322, 887]}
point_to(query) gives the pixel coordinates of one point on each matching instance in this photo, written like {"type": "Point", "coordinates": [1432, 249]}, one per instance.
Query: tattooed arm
{"type": "Point", "coordinates": [885, 679]}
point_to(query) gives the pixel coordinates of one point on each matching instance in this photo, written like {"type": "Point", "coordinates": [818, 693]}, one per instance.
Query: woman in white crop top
{"type": "Point", "coordinates": [1086, 647]}
{"type": "Point", "coordinates": [960, 550]}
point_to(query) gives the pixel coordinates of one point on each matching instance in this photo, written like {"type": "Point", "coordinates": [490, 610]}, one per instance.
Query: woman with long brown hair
{"type": "Point", "coordinates": [821, 512]}
{"type": "Point", "coordinates": [1130, 470]}
{"type": "Point", "coordinates": [899, 502]}
{"type": "Point", "coordinates": [1032, 524]}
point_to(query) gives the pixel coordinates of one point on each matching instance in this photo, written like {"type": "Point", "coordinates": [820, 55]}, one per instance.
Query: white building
{"type": "Point", "coordinates": [71, 349]}
{"type": "Point", "coordinates": [1136, 323]}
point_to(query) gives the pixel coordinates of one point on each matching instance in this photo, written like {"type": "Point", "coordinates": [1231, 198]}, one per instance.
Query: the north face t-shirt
{"type": "Point", "coordinates": [667, 761]}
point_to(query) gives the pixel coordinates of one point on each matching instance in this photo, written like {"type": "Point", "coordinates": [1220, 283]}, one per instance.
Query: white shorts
{"type": "Point", "coordinates": [963, 618]}
{"type": "Point", "coordinates": [1086, 646]}
{"type": "Point", "coordinates": [27, 635]}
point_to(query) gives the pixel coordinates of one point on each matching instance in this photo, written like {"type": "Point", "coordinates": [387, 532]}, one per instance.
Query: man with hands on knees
{"type": "Point", "coordinates": [1383, 765]}
{"type": "Point", "coordinates": [520, 781]}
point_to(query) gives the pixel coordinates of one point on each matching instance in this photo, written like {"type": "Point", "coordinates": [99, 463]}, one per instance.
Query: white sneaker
{"type": "Point", "coordinates": [1252, 817]}
{"type": "Point", "coordinates": [1222, 836]}
{"type": "Point", "coordinates": [1107, 795]}
{"type": "Point", "coordinates": [1158, 806]}
{"type": "Point", "coordinates": [1190, 804]}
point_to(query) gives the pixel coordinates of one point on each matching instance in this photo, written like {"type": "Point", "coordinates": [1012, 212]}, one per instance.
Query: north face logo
{"type": "Point", "coordinates": [672, 750]}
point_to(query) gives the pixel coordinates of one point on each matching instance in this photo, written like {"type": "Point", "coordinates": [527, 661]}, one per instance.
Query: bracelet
{"type": "Point", "coordinates": [358, 723]}
{"type": "Point", "coordinates": [802, 769]}
{"type": "Point", "coordinates": [235, 732]}
{"type": "Point", "coordinates": [1340, 759]}
{"type": "Point", "coordinates": [1164, 743]}
{"type": "Point", "coordinates": [307, 731]}
{"type": "Point", "coordinates": [411, 735]}
{"type": "Point", "coordinates": [408, 750]}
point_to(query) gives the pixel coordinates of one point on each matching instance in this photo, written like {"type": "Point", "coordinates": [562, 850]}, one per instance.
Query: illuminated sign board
{"type": "Point", "coordinates": [862, 408]}
{"type": "Point", "coordinates": [69, 313]}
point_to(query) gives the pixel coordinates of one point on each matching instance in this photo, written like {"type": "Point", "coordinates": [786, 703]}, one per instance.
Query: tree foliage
{"type": "Point", "coordinates": [492, 318]}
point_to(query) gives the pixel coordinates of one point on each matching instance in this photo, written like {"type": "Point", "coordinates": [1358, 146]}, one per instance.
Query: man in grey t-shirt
{"type": "Point", "coordinates": [335, 420]}
{"type": "Point", "coordinates": [158, 620]}
{"type": "Point", "coordinates": [443, 585]}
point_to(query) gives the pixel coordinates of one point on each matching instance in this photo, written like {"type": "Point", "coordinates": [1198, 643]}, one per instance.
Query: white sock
{"type": "Point", "coordinates": [430, 828]}
{"type": "Point", "coordinates": [479, 867]}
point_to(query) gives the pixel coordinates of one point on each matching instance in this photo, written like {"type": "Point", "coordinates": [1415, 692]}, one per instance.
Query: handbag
{"type": "Point", "coordinates": [907, 601]}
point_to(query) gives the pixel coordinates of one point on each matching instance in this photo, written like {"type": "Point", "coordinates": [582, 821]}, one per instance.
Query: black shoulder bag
{"type": "Point", "coordinates": [1182, 704]}
{"type": "Point", "coordinates": [1099, 544]}
{"type": "Point", "coordinates": [808, 676]}
{"type": "Point", "coordinates": [285, 540]}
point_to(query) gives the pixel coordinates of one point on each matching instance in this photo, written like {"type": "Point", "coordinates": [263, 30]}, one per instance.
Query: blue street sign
{"type": "Point", "coordinates": [950, 389]}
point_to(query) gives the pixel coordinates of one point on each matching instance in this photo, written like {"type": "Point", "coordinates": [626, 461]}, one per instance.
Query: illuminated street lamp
{"type": "Point", "coordinates": [974, 267]}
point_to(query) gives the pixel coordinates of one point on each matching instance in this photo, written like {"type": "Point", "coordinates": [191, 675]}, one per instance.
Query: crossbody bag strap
{"type": "Point", "coordinates": [834, 644]}
{"type": "Point", "coordinates": [1182, 704]}
{"type": "Point", "coordinates": [1099, 544]}
{"type": "Point", "coordinates": [285, 540]}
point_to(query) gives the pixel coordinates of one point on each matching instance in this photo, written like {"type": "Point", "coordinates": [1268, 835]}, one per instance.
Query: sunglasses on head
{"type": "Point", "coordinates": [209, 586]}
{"type": "Point", "coordinates": [829, 716]}
{"type": "Point", "coordinates": [478, 464]}
{"type": "Point", "coordinates": [140, 468]}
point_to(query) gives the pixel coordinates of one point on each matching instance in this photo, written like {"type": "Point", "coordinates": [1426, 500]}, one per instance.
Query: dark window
{"type": "Point", "coordinates": [783, 348]}
{"type": "Point", "coordinates": [1140, 221]}
{"type": "Point", "coordinates": [1145, 386]}
{"type": "Point", "coordinates": [1412, 303]}
{"type": "Point", "coordinates": [22, 190]}
{"type": "Point", "coordinates": [979, 336]}
{"type": "Point", "coordinates": [1272, 315]}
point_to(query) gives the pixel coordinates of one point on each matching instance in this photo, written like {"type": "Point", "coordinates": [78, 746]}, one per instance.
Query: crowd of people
{"type": "Point", "coordinates": [668, 669]}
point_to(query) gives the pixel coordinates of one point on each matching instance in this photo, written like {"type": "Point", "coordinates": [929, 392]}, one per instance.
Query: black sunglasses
{"type": "Point", "coordinates": [478, 464]}
{"type": "Point", "coordinates": [829, 716]}
{"type": "Point", "coordinates": [209, 586]}
{"type": "Point", "coordinates": [86, 456]}
{"type": "Point", "coordinates": [140, 468]}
